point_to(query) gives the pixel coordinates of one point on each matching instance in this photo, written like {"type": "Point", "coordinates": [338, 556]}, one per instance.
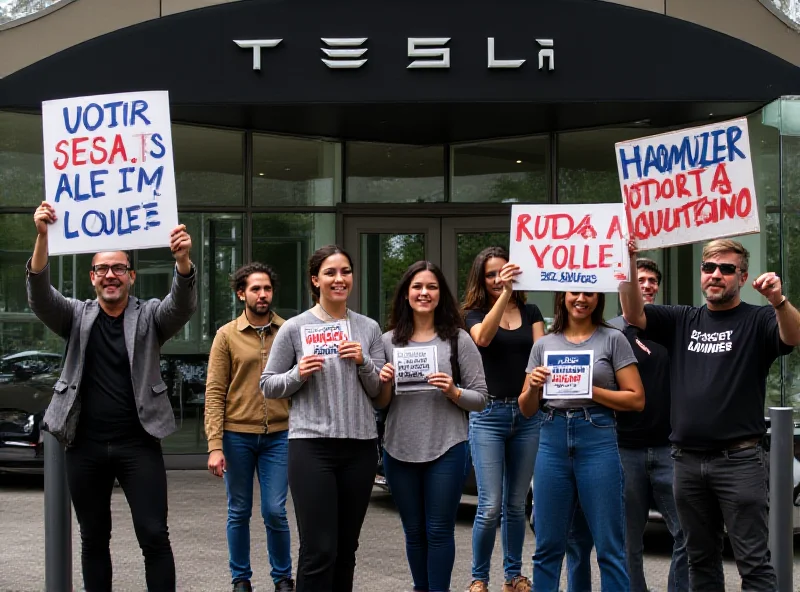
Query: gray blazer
{"type": "Point", "coordinates": [148, 325]}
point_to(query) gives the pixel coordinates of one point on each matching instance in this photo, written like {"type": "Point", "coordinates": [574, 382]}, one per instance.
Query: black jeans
{"type": "Point", "coordinates": [726, 488]}
{"type": "Point", "coordinates": [138, 465]}
{"type": "Point", "coordinates": [331, 482]}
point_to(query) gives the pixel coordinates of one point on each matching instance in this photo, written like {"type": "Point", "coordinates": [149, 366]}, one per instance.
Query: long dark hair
{"type": "Point", "coordinates": [446, 317]}
{"type": "Point", "coordinates": [316, 260]}
{"type": "Point", "coordinates": [476, 296]}
{"type": "Point", "coordinates": [561, 316]}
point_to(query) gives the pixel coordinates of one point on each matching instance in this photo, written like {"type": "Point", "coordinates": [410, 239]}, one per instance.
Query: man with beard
{"type": "Point", "coordinates": [248, 433]}
{"type": "Point", "coordinates": [110, 406]}
{"type": "Point", "coordinates": [720, 355]}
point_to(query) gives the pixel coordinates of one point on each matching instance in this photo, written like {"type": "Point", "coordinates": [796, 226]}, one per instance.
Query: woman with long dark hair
{"type": "Point", "coordinates": [332, 434]}
{"type": "Point", "coordinates": [578, 460]}
{"type": "Point", "coordinates": [425, 448]}
{"type": "Point", "coordinates": [502, 440]}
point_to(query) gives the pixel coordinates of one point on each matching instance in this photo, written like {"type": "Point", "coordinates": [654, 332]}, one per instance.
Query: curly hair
{"type": "Point", "coordinates": [239, 277]}
{"type": "Point", "coordinates": [476, 296]}
{"type": "Point", "coordinates": [447, 319]}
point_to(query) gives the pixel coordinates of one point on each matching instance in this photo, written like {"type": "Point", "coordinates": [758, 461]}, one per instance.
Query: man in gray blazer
{"type": "Point", "coordinates": [110, 406]}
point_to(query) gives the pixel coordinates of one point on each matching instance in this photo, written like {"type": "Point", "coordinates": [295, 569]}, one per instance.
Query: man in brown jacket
{"type": "Point", "coordinates": [246, 432]}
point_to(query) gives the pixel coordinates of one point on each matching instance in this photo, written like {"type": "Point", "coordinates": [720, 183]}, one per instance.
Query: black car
{"type": "Point", "coordinates": [26, 387]}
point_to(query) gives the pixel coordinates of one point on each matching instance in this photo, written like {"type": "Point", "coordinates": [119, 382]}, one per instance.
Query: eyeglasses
{"type": "Point", "coordinates": [724, 268]}
{"type": "Point", "coordinates": [118, 269]}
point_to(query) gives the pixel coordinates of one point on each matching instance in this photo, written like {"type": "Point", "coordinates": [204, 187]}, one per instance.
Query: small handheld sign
{"type": "Point", "coordinates": [324, 339]}
{"type": "Point", "coordinates": [412, 366]}
{"type": "Point", "coordinates": [570, 374]}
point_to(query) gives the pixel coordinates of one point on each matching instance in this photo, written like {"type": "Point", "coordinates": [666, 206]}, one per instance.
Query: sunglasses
{"type": "Point", "coordinates": [724, 268]}
{"type": "Point", "coordinates": [587, 294]}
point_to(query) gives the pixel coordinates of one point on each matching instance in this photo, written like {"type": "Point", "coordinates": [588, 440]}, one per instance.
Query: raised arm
{"type": "Point", "coordinates": [769, 285]}
{"type": "Point", "coordinates": [180, 304]}
{"type": "Point", "coordinates": [483, 332]}
{"type": "Point", "coordinates": [630, 296]}
{"type": "Point", "coordinates": [47, 303]}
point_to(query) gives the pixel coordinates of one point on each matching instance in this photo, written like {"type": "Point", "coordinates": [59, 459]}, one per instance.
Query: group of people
{"type": "Point", "coordinates": [675, 419]}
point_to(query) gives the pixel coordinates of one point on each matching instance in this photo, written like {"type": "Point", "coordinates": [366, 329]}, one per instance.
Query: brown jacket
{"type": "Point", "coordinates": [234, 400]}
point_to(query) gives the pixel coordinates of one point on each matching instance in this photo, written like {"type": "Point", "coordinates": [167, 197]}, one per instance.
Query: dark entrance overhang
{"type": "Point", "coordinates": [613, 65]}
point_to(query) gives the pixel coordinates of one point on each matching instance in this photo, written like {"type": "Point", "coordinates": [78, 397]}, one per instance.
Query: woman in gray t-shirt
{"type": "Point", "coordinates": [578, 460]}
{"type": "Point", "coordinates": [425, 448]}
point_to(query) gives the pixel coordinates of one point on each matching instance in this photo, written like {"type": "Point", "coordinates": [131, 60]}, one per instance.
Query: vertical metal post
{"type": "Point", "coordinates": [781, 484]}
{"type": "Point", "coordinates": [57, 519]}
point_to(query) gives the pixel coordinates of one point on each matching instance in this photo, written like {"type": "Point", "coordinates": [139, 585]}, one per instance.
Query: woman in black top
{"type": "Point", "coordinates": [503, 442]}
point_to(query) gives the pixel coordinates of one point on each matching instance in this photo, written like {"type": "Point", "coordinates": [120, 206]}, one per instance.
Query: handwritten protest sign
{"type": "Point", "coordinates": [108, 172]}
{"type": "Point", "coordinates": [570, 374]}
{"type": "Point", "coordinates": [689, 186]}
{"type": "Point", "coordinates": [569, 247]}
{"type": "Point", "coordinates": [412, 365]}
{"type": "Point", "coordinates": [324, 339]}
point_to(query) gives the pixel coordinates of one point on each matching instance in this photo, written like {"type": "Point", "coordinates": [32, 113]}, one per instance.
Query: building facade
{"type": "Point", "coordinates": [399, 130]}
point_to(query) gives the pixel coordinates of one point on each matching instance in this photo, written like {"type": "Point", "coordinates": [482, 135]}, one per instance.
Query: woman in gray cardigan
{"type": "Point", "coordinates": [425, 448]}
{"type": "Point", "coordinates": [327, 359]}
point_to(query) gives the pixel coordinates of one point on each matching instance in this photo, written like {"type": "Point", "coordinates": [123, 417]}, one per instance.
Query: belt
{"type": "Point", "coordinates": [733, 447]}
{"type": "Point", "coordinates": [567, 412]}
{"type": "Point", "coordinates": [503, 399]}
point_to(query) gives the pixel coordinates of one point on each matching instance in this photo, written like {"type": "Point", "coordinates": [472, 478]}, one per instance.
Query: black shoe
{"type": "Point", "coordinates": [285, 585]}
{"type": "Point", "coordinates": [242, 586]}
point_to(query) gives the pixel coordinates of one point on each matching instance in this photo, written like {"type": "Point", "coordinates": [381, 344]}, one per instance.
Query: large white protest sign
{"type": "Point", "coordinates": [412, 365]}
{"type": "Point", "coordinates": [689, 186]}
{"type": "Point", "coordinates": [324, 339]}
{"type": "Point", "coordinates": [569, 247]}
{"type": "Point", "coordinates": [109, 172]}
{"type": "Point", "coordinates": [570, 374]}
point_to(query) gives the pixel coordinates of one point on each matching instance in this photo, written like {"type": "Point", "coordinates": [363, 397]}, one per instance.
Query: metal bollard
{"type": "Point", "coordinates": [57, 519]}
{"type": "Point", "coordinates": [781, 484]}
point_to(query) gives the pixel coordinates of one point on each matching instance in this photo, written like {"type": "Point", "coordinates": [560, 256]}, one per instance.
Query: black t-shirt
{"type": "Point", "coordinates": [719, 366]}
{"type": "Point", "coordinates": [108, 407]}
{"type": "Point", "coordinates": [506, 357]}
{"type": "Point", "coordinates": [651, 426]}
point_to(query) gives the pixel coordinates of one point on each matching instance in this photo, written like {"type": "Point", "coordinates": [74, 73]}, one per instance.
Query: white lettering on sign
{"type": "Point", "coordinates": [710, 343]}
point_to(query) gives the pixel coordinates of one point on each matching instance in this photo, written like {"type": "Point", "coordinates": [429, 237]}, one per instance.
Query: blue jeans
{"type": "Point", "coordinates": [648, 474]}
{"type": "Point", "coordinates": [427, 495]}
{"type": "Point", "coordinates": [578, 462]}
{"type": "Point", "coordinates": [503, 444]}
{"type": "Point", "coordinates": [265, 455]}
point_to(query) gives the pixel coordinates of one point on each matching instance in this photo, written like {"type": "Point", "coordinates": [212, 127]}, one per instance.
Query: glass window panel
{"type": "Point", "coordinates": [285, 242]}
{"type": "Point", "coordinates": [384, 260]}
{"type": "Point", "coordinates": [21, 165]}
{"type": "Point", "coordinates": [505, 171]}
{"type": "Point", "coordinates": [790, 221]}
{"type": "Point", "coordinates": [209, 166]}
{"type": "Point", "coordinates": [587, 163]}
{"type": "Point", "coordinates": [295, 172]}
{"type": "Point", "coordinates": [393, 173]}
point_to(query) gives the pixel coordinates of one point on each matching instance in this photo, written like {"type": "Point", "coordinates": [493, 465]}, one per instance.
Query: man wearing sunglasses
{"type": "Point", "coordinates": [720, 355]}
{"type": "Point", "coordinates": [110, 406]}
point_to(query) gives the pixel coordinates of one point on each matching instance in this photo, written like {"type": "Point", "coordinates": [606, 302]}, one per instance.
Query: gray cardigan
{"type": "Point", "coordinates": [148, 325]}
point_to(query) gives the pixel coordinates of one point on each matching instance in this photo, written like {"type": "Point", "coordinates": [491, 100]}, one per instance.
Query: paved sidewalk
{"type": "Point", "coordinates": [197, 529]}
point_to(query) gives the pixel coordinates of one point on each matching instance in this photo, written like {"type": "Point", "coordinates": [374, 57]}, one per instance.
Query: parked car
{"type": "Point", "coordinates": [26, 386]}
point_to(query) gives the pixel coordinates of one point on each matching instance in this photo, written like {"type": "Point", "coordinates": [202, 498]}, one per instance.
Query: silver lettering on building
{"type": "Point", "coordinates": [495, 63]}
{"type": "Point", "coordinates": [257, 45]}
{"type": "Point", "coordinates": [442, 54]}
{"type": "Point", "coordinates": [345, 52]}
{"type": "Point", "coordinates": [546, 54]}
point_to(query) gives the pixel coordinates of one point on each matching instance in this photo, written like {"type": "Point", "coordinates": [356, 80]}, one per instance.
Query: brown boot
{"type": "Point", "coordinates": [518, 584]}
{"type": "Point", "coordinates": [478, 586]}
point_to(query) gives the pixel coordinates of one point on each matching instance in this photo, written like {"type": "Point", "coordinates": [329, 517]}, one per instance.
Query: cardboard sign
{"type": "Point", "coordinates": [108, 172]}
{"type": "Point", "coordinates": [689, 186]}
{"type": "Point", "coordinates": [324, 339]}
{"type": "Point", "coordinates": [570, 374]}
{"type": "Point", "coordinates": [569, 247]}
{"type": "Point", "coordinates": [412, 365]}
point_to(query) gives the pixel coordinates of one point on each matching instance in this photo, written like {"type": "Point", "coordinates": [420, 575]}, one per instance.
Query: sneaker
{"type": "Point", "coordinates": [284, 585]}
{"type": "Point", "coordinates": [242, 586]}
{"type": "Point", "coordinates": [478, 586]}
{"type": "Point", "coordinates": [517, 584]}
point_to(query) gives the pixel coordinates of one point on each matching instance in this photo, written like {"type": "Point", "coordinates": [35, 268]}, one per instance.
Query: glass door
{"type": "Point", "coordinates": [382, 249]}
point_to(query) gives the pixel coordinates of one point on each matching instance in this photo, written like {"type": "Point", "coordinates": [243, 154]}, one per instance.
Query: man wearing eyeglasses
{"type": "Point", "coordinates": [110, 405]}
{"type": "Point", "coordinates": [720, 355]}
